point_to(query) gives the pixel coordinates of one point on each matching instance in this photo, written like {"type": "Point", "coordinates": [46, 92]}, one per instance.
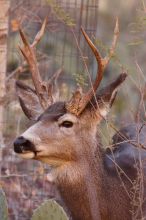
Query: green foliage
{"type": "Point", "coordinates": [3, 206]}
{"type": "Point", "coordinates": [61, 13]}
{"type": "Point", "coordinates": [80, 79]}
{"type": "Point", "coordinates": [49, 210]}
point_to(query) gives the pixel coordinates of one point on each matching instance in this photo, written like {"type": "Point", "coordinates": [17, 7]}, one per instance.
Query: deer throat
{"type": "Point", "coordinates": [80, 188]}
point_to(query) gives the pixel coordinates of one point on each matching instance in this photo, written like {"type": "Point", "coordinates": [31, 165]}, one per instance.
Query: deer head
{"type": "Point", "coordinates": [62, 130]}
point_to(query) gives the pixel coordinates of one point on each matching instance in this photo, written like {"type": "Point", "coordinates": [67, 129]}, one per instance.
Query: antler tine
{"type": "Point", "coordinates": [28, 51]}
{"type": "Point", "coordinates": [99, 60]}
{"type": "Point", "coordinates": [40, 33]}
{"type": "Point", "coordinates": [78, 102]}
{"type": "Point", "coordinates": [52, 85]}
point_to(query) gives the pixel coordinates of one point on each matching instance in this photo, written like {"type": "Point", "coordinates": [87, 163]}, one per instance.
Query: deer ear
{"type": "Point", "coordinates": [106, 96]}
{"type": "Point", "coordinates": [29, 101]}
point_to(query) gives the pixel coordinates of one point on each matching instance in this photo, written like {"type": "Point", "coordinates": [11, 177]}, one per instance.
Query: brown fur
{"type": "Point", "coordinates": [90, 192]}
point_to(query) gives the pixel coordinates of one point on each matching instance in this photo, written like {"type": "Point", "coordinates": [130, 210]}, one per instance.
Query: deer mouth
{"type": "Point", "coordinates": [25, 148]}
{"type": "Point", "coordinates": [27, 155]}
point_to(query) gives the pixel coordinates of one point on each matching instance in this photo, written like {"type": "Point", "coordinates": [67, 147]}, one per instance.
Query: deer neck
{"type": "Point", "coordinates": [80, 185]}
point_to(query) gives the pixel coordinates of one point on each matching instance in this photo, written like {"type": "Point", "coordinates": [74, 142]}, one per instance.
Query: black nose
{"type": "Point", "coordinates": [21, 145]}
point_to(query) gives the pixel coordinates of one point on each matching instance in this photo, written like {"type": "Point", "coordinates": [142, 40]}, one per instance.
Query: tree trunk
{"type": "Point", "coordinates": [4, 15]}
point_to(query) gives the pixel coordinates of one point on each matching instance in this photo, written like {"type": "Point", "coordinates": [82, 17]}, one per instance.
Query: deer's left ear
{"type": "Point", "coordinates": [106, 96]}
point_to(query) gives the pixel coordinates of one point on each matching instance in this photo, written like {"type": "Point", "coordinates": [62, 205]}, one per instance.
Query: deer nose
{"type": "Point", "coordinates": [21, 145]}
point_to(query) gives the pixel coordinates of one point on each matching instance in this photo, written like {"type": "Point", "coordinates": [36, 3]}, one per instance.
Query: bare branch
{"type": "Point", "coordinates": [19, 69]}
{"type": "Point", "coordinates": [56, 75]}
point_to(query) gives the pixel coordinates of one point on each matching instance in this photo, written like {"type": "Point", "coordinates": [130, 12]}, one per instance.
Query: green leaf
{"type": "Point", "coordinates": [49, 210]}
{"type": "Point", "coordinates": [3, 206]}
{"type": "Point", "coordinates": [61, 13]}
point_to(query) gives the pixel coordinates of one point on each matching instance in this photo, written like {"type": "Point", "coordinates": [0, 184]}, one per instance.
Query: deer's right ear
{"type": "Point", "coordinates": [28, 100]}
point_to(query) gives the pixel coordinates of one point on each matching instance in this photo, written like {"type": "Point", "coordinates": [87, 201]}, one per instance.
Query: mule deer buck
{"type": "Point", "coordinates": [65, 136]}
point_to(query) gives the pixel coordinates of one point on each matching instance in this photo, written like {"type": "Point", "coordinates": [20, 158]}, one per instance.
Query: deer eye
{"type": "Point", "coordinates": [67, 124]}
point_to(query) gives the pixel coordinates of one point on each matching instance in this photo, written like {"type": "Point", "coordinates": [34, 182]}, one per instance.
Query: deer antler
{"type": "Point", "coordinates": [78, 102]}
{"type": "Point", "coordinates": [43, 89]}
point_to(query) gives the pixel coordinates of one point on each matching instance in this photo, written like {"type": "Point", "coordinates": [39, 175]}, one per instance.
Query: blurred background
{"type": "Point", "coordinates": [60, 48]}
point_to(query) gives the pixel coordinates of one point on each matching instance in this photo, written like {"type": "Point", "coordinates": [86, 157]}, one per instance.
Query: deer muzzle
{"type": "Point", "coordinates": [25, 147]}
